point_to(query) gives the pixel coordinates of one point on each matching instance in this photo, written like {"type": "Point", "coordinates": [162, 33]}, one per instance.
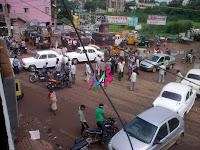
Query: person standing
{"type": "Point", "coordinates": [73, 72]}
{"type": "Point", "coordinates": [161, 73]}
{"type": "Point", "coordinates": [52, 101]}
{"type": "Point", "coordinates": [165, 41]}
{"type": "Point", "coordinates": [99, 118]}
{"type": "Point", "coordinates": [178, 76]}
{"type": "Point", "coordinates": [112, 66]}
{"type": "Point", "coordinates": [88, 72]}
{"type": "Point", "coordinates": [102, 67]}
{"type": "Point", "coordinates": [120, 66]}
{"type": "Point", "coordinates": [98, 60]}
{"type": "Point", "coordinates": [122, 55]}
{"type": "Point", "coordinates": [126, 54]}
{"type": "Point", "coordinates": [166, 62]}
{"type": "Point", "coordinates": [57, 67]}
{"type": "Point", "coordinates": [109, 64]}
{"type": "Point", "coordinates": [37, 42]}
{"type": "Point", "coordinates": [133, 80]}
{"type": "Point", "coordinates": [45, 71]}
{"type": "Point", "coordinates": [66, 68]}
{"type": "Point", "coordinates": [116, 63]}
{"type": "Point", "coordinates": [137, 65]}
{"type": "Point", "coordinates": [16, 63]}
{"type": "Point", "coordinates": [82, 119]}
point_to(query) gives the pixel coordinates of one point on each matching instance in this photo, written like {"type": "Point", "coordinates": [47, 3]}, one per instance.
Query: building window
{"type": "Point", "coordinates": [26, 10]}
{"type": "Point", "coordinates": [8, 8]}
{"type": "Point", "coordinates": [47, 10]}
{"type": "Point", "coordinates": [1, 8]}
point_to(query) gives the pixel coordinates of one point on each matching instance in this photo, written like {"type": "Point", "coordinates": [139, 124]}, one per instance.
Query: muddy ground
{"type": "Point", "coordinates": [34, 113]}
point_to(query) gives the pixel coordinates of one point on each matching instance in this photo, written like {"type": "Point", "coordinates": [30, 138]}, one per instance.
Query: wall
{"type": "Point", "coordinates": [37, 12]}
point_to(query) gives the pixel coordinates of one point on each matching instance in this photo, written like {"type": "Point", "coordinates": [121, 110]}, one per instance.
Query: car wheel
{"type": "Point", "coordinates": [179, 139]}
{"type": "Point", "coordinates": [32, 78]}
{"type": "Point", "coordinates": [32, 67]}
{"type": "Point", "coordinates": [75, 61]}
{"type": "Point", "coordinates": [171, 67]}
{"type": "Point", "coordinates": [154, 69]}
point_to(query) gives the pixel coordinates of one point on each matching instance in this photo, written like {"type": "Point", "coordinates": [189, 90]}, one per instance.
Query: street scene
{"type": "Point", "coordinates": [97, 78]}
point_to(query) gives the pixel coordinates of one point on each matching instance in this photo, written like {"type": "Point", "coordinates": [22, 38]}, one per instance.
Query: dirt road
{"type": "Point", "coordinates": [34, 110]}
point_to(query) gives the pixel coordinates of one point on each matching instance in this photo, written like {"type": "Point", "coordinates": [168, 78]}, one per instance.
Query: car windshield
{"type": "Point", "coordinates": [141, 52]}
{"type": "Point", "coordinates": [37, 56]}
{"type": "Point", "coordinates": [153, 58]}
{"type": "Point", "coordinates": [78, 50]}
{"type": "Point", "coordinates": [141, 130]}
{"type": "Point", "coordinates": [194, 76]}
{"type": "Point", "coordinates": [171, 95]}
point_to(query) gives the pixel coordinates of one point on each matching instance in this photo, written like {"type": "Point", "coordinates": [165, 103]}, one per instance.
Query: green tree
{"type": "Point", "coordinates": [128, 6]}
{"type": "Point", "coordinates": [175, 3]}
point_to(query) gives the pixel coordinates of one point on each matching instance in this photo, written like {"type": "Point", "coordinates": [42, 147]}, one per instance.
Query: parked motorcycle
{"type": "Point", "coordinates": [59, 82]}
{"type": "Point", "coordinates": [190, 59]}
{"type": "Point", "coordinates": [80, 144]}
{"type": "Point", "coordinates": [38, 75]}
{"type": "Point", "coordinates": [96, 133]}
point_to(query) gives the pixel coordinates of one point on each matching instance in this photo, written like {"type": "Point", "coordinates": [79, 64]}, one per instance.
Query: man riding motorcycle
{"type": "Point", "coordinates": [45, 71]}
{"type": "Point", "coordinates": [100, 122]}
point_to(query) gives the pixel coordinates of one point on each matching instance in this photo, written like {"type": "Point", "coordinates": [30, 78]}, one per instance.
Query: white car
{"type": "Point", "coordinates": [193, 75]}
{"type": "Point", "coordinates": [79, 55]}
{"type": "Point", "coordinates": [40, 59]}
{"type": "Point", "coordinates": [176, 97]}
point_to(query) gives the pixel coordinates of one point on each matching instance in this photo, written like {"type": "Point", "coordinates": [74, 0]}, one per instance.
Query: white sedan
{"type": "Point", "coordinates": [40, 59]}
{"type": "Point", "coordinates": [176, 97]}
{"type": "Point", "coordinates": [193, 79]}
{"type": "Point", "coordinates": [79, 55]}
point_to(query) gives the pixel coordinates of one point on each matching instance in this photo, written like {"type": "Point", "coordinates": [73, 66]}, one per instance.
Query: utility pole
{"type": "Point", "coordinates": [7, 19]}
{"type": "Point", "coordinates": [55, 14]}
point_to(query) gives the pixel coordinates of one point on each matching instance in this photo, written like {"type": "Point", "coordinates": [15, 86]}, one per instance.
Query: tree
{"type": "Point", "coordinates": [175, 3]}
{"type": "Point", "coordinates": [128, 6]}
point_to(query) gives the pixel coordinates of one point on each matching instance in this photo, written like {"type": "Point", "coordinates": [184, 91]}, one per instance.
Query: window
{"type": "Point", "coordinates": [162, 133]}
{"type": "Point", "coordinates": [194, 76]}
{"type": "Point", "coordinates": [161, 60]}
{"type": "Point", "coordinates": [1, 8]}
{"type": "Point", "coordinates": [153, 58]}
{"type": "Point", "coordinates": [188, 96]}
{"type": "Point", "coordinates": [168, 58]}
{"type": "Point", "coordinates": [43, 57]}
{"type": "Point", "coordinates": [26, 10]}
{"type": "Point", "coordinates": [171, 95]}
{"type": "Point", "coordinates": [51, 56]}
{"type": "Point", "coordinates": [173, 124]}
{"type": "Point", "coordinates": [8, 8]}
{"type": "Point", "coordinates": [47, 10]}
{"type": "Point", "coordinates": [91, 51]}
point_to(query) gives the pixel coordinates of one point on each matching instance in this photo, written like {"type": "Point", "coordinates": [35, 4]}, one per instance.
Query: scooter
{"type": "Point", "coordinates": [59, 82]}
{"type": "Point", "coordinates": [189, 59]}
{"type": "Point", "coordinates": [80, 144]}
{"type": "Point", "coordinates": [38, 75]}
{"type": "Point", "coordinates": [96, 133]}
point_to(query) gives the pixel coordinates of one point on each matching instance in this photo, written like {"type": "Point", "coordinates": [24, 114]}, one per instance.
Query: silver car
{"type": "Point", "coordinates": [154, 129]}
{"type": "Point", "coordinates": [153, 62]}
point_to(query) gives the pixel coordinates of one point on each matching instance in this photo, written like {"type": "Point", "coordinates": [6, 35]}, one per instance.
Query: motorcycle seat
{"type": "Point", "coordinates": [94, 129]}
{"type": "Point", "coordinates": [79, 145]}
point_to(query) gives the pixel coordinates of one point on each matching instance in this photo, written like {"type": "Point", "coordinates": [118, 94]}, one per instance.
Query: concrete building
{"type": "Point", "coordinates": [115, 5]}
{"type": "Point", "coordinates": [27, 11]}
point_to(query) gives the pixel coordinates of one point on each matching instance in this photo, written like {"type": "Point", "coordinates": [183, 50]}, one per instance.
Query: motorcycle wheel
{"type": "Point", "coordinates": [92, 137]}
{"type": "Point", "coordinates": [32, 78]}
{"type": "Point", "coordinates": [183, 61]}
{"type": "Point", "coordinates": [64, 84]}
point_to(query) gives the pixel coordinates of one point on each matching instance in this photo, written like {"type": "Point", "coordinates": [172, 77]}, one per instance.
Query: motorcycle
{"type": "Point", "coordinates": [38, 75]}
{"type": "Point", "coordinates": [190, 59]}
{"type": "Point", "coordinates": [80, 144]}
{"type": "Point", "coordinates": [59, 82]}
{"type": "Point", "coordinates": [96, 133]}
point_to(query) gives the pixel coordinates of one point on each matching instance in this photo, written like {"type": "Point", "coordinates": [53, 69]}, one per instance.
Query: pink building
{"type": "Point", "coordinates": [26, 11]}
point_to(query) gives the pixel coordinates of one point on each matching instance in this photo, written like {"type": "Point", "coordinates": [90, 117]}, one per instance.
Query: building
{"type": "Point", "coordinates": [145, 5]}
{"type": "Point", "coordinates": [115, 5]}
{"type": "Point", "coordinates": [24, 12]}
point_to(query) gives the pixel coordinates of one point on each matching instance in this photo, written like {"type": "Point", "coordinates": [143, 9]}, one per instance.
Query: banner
{"type": "Point", "coordinates": [122, 20]}
{"type": "Point", "coordinates": [156, 20]}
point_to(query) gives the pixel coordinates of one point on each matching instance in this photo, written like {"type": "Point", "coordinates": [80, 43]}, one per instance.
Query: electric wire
{"type": "Point", "coordinates": [96, 76]}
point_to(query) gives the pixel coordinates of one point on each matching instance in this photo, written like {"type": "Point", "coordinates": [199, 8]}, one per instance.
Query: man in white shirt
{"type": "Point", "coordinates": [133, 80]}
{"type": "Point", "coordinates": [73, 72]}
{"type": "Point", "coordinates": [122, 55]}
{"type": "Point", "coordinates": [137, 65]}
{"type": "Point", "coordinates": [98, 60]}
{"type": "Point", "coordinates": [121, 69]}
{"type": "Point", "coordinates": [88, 72]}
{"type": "Point", "coordinates": [161, 73]}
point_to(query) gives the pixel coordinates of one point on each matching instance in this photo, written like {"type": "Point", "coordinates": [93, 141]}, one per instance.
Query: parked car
{"type": "Point", "coordinates": [79, 55]}
{"type": "Point", "coordinates": [192, 77]}
{"type": "Point", "coordinates": [154, 129]}
{"type": "Point", "coordinates": [41, 57]}
{"type": "Point", "coordinates": [153, 62]}
{"type": "Point", "coordinates": [176, 97]}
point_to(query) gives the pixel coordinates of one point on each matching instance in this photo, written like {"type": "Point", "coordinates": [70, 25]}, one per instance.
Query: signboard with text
{"type": "Point", "coordinates": [156, 20]}
{"type": "Point", "coordinates": [122, 20]}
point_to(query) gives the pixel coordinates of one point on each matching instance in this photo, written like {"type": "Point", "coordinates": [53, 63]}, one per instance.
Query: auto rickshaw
{"type": "Point", "coordinates": [26, 34]}
{"type": "Point", "coordinates": [19, 92]}
{"type": "Point", "coordinates": [142, 53]}
{"type": "Point", "coordinates": [32, 36]}
{"type": "Point", "coordinates": [44, 40]}
{"type": "Point", "coordinates": [116, 50]}
{"type": "Point", "coordinates": [42, 30]}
